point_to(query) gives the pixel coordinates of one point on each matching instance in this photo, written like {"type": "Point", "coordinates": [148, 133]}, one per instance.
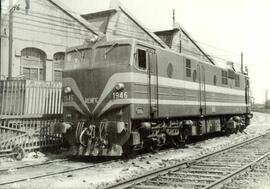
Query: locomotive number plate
{"type": "Point", "coordinates": [120, 95]}
{"type": "Point", "coordinates": [68, 98]}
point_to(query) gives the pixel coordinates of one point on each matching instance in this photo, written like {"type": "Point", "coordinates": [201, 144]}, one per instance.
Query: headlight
{"type": "Point", "coordinates": [94, 39]}
{"type": "Point", "coordinates": [119, 86]}
{"type": "Point", "coordinates": [250, 116]}
{"type": "Point", "coordinates": [67, 90]}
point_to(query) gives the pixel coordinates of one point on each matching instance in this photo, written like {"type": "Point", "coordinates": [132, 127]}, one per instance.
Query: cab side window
{"type": "Point", "coordinates": [237, 81]}
{"type": "Point", "coordinates": [224, 75]}
{"type": "Point", "coordinates": [142, 59]}
{"type": "Point", "coordinates": [188, 68]}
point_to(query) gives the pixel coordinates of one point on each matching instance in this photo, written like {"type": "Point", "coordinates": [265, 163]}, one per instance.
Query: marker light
{"type": "Point", "coordinates": [94, 39]}
{"type": "Point", "coordinates": [119, 86]}
{"type": "Point", "coordinates": [67, 90]}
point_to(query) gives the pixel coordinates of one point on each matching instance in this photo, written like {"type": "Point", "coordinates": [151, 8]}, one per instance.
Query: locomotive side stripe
{"type": "Point", "coordinates": [166, 102]}
{"type": "Point", "coordinates": [129, 77]}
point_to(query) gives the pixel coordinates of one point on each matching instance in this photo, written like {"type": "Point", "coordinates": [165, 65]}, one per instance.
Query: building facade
{"type": "Point", "coordinates": [34, 38]}
{"type": "Point", "coordinates": [36, 33]}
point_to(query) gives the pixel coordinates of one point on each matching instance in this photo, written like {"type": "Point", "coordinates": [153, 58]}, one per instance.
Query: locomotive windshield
{"type": "Point", "coordinates": [78, 58]}
{"type": "Point", "coordinates": [110, 54]}
{"type": "Point", "coordinates": [113, 54]}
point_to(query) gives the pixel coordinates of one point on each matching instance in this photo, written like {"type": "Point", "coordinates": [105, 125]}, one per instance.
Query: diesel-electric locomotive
{"type": "Point", "coordinates": [125, 95]}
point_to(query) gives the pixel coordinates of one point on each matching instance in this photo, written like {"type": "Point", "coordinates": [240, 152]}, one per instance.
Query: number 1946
{"type": "Point", "coordinates": [119, 95]}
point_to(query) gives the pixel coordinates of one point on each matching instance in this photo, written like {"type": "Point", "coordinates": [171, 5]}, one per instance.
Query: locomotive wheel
{"type": "Point", "coordinates": [236, 129]}
{"type": "Point", "coordinates": [19, 152]}
{"type": "Point", "coordinates": [83, 138]}
{"type": "Point", "coordinates": [78, 131]}
{"type": "Point", "coordinates": [242, 128]}
{"type": "Point", "coordinates": [154, 147]}
{"type": "Point", "coordinates": [229, 131]}
{"type": "Point", "coordinates": [128, 152]}
{"type": "Point", "coordinates": [178, 141]}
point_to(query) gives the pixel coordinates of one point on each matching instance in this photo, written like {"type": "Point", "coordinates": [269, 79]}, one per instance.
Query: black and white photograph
{"type": "Point", "coordinates": [134, 94]}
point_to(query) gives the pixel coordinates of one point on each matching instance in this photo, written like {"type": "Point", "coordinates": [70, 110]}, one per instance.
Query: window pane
{"type": "Point", "coordinates": [224, 77]}
{"type": "Point", "coordinates": [41, 75]}
{"type": "Point", "coordinates": [32, 57]}
{"type": "Point", "coordinates": [113, 54]}
{"type": "Point", "coordinates": [59, 56]}
{"type": "Point", "coordinates": [215, 80]}
{"type": "Point", "coordinates": [80, 58]}
{"type": "Point", "coordinates": [59, 64]}
{"type": "Point", "coordinates": [188, 68]}
{"type": "Point", "coordinates": [194, 75]}
{"type": "Point", "coordinates": [26, 73]}
{"type": "Point", "coordinates": [57, 75]}
{"type": "Point", "coordinates": [33, 73]}
{"type": "Point", "coordinates": [237, 81]}
{"type": "Point", "coordinates": [188, 72]}
{"type": "Point", "coordinates": [141, 59]}
{"type": "Point", "coordinates": [188, 64]}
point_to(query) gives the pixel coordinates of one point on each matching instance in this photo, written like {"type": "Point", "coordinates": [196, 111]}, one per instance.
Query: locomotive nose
{"type": "Point", "coordinates": [73, 99]}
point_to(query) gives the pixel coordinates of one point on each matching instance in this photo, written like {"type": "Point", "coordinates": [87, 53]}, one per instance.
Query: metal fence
{"type": "Point", "coordinates": [28, 111]}
{"type": "Point", "coordinates": [29, 98]}
{"type": "Point", "coordinates": [28, 133]}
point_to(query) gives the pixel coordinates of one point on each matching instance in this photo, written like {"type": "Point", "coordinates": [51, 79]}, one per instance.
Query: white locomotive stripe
{"type": "Point", "coordinates": [167, 102]}
{"type": "Point", "coordinates": [132, 77]}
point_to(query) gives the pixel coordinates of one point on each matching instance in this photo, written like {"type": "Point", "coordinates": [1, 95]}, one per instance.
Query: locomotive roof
{"type": "Point", "coordinates": [136, 41]}
{"type": "Point", "coordinates": [101, 43]}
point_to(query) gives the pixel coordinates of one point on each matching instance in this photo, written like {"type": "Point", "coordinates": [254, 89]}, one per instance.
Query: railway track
{"type": "Point", "coordinates": [180, 175]}
{"type": "Point", "coordinates": [32, 165]}
{"type": "Point", "coordinates": [40, 170]}
{"type": "Point", "coordinates": [209, 171]}
{"type": "Point", "coordinates": [256, 177]}
{"type": "Point", "coordinates": [15, 174]}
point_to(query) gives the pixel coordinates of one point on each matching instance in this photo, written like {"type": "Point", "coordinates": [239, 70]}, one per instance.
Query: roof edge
{"type": "Point", "coordinates": [109, 11]}
{"type": "Point", "coordinates": [77, 17]}
{"type": "Point", "coordinates": [151, 34]}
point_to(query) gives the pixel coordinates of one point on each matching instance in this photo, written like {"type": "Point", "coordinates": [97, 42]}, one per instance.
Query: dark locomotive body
{"type": "Point", "coordinates": [126, 95]}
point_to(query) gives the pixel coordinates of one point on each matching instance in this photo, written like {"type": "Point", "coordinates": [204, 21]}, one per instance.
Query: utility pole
{"type": "Point", "coordinates": [173, 18]}
{"type": "Point", "coordinates": [242, 63]}
{"type": "Point", "coordinates": [10, 38]}
{"type": "Point", "coordinates": [266, 95]}
{"type": "Point", "coordinates": [1, 6]}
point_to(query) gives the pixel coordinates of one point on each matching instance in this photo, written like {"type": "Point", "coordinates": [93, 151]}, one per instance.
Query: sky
{"type": "Point", "coordinates": [234, 26]}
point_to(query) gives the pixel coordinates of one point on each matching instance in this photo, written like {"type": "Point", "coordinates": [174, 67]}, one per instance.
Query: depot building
{"type": "Point", "coordinates": [36, 33]}
{"type": "Point", "coordinates": [34, 38]}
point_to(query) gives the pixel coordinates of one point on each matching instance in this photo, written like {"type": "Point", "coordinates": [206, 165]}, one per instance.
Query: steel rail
{"type": "Point", "coordinates": [166, 170]}
{"type": "Point", "coordinates": [54, 173]}
{"type": "Point", "coordinates": [237, 172]}
{"type": "Point", "coordinates": [34, 165]}
{"type": "Point", "coordinates": [46, 174]}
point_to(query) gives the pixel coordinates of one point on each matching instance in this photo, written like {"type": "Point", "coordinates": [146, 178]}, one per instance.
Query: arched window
{"type": "Point", "coordinates": [33, 64]}
{"type": "Point", "coordinates": [58, 65]}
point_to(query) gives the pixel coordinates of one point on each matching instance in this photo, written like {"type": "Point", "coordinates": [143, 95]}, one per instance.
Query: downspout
{"type": "Point", "coordinates": [10, 40]}
{"type": "Point", "coordinates": [0, 39]}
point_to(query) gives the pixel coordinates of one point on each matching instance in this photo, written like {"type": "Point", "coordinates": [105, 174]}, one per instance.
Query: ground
{"type": "Point", "coordinates": [103, 175]}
